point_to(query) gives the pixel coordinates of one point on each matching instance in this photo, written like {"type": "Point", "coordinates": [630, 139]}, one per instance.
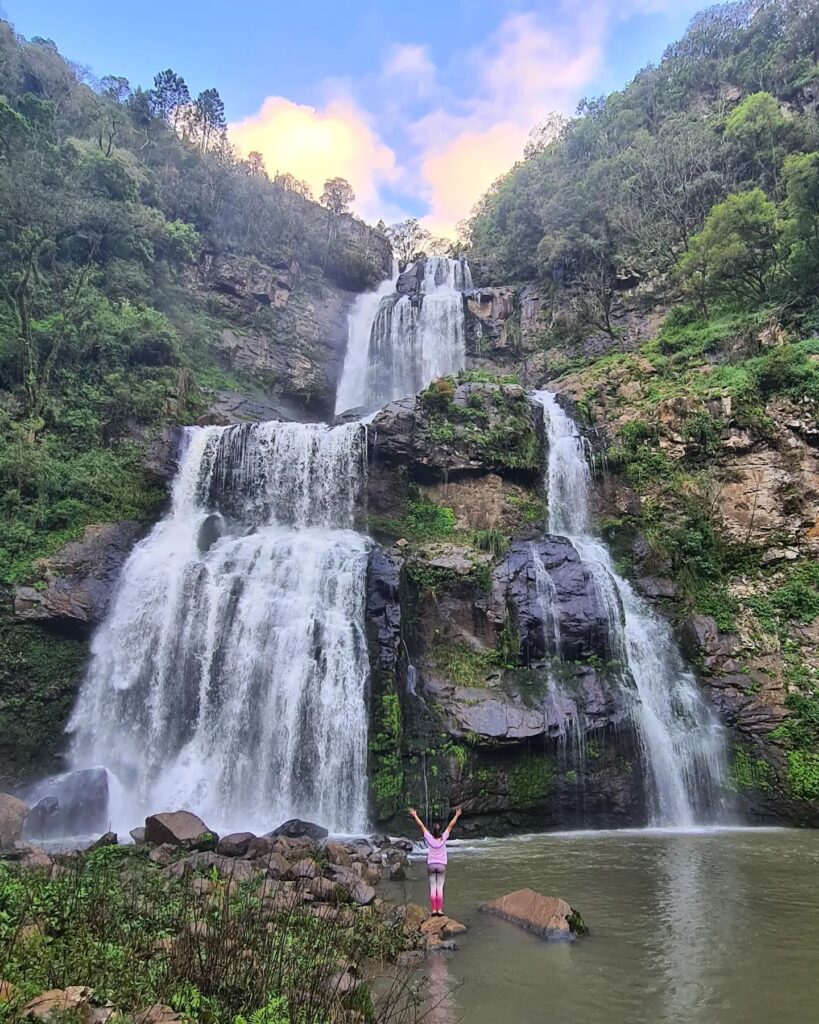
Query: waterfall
{"type": "Point", "coordinates": [681, 738]}
{"type": "Point", "coordinates": [229, 676]}
{"type": "Point", "coordinates": [398, 343]}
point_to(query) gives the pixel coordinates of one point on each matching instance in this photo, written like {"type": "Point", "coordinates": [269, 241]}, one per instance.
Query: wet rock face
{"type": "Point", "coordinates": [572, 610]}
{"type": "Point", "coordinates": [247, 278]}
{"type": "Point", "coordinates": [73, 804]}
{"type": "Point", "coordinates": [80, 578]}
{"type": "Point", "coordinates": [384, 605]}
{"type": "Point", "coordinates": [13, 814]}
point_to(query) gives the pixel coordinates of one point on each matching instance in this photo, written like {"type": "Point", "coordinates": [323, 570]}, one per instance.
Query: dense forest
{"type": "Point", "coordinates": [671, 231]}
{"type": "Point", "coordinates": [112, 198]}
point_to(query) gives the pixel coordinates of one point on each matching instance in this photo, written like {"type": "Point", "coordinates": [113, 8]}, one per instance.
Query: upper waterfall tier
{"type": "Point", "coordinates": [402, 338]}
{"type": "Point", "coordinates": [682, 739]}
{"type": "Point", "coordinates": [229, 676]}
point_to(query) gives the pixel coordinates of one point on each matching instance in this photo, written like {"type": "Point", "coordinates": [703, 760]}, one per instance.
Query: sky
{"type": "Point", "coordinates": [421, 105]}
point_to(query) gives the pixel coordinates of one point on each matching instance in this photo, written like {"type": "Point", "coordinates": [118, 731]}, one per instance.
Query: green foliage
{"type": "Point", "coordinates": [39, 675]}
{"type": "Point", "coordinates": [463, 664]}
{"type": "Point", "coordinates": [496, 542]}
{"type": "Point", "coordinates": [798, 598]}
{"type": "Point", "coordinates": [387, 770]}
{"type": "Point", "coordinates": [111, 920]}
{"type": "Point", "coordinates": [530, 780]}
{"type": "Point", "coordinates": [749, 773]}
{"type": "Point", "coordinates": [803, 774]}
{"type": "Point", "coordinates": [734, 255]}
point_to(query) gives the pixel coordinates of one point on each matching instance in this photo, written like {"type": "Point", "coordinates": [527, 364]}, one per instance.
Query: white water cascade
{"type": "Point", "coordinates": [681, 738]}
{"type": "Point", "coordinates": [229, 676]}
{"type": "Point", "coordinates": [397, 344]}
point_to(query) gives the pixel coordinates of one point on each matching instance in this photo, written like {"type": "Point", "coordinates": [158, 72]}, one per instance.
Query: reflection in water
{"type": "Point", "coordinates": [706, 927]}
{"type": "Point", "coordinates": [689, 934]}
{"type": "Point", "coordinates": [440, 1006]}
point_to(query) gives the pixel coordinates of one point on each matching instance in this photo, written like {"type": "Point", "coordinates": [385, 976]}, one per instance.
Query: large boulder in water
{"type": "Point", "coordinates": [81, 806]}
{"type": "Point", "coordinates": [295, 828]}
{"type": "Point", "coordinates": [12, 818]}
{"type": "Point", "coordinates": [179, 828]}
{"type": "Point", "coordinates": [546, 916]}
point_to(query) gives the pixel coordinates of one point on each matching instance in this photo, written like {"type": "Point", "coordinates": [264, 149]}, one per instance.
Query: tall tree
{"type": "Point", "coordinates": [409, 239]}
{"type": "Point", "coordinates": [337, 195]}
{"type": "Point", "coordinates": [169, 96]}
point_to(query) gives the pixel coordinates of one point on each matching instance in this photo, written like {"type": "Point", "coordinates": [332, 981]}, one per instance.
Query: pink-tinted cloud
{"type": "Point", "coordinates": [319, 143]}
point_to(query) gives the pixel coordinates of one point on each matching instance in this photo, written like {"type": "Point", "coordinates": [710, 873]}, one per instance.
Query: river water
{"type": "Point", "coordinates": [701, 927]}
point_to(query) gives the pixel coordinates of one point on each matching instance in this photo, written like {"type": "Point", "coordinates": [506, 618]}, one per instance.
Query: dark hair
{"type": "Point", "coordinates": [436, 830]}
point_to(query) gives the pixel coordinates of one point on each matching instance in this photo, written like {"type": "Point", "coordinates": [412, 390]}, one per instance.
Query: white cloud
{"type": "Point", "coordinates": [408, 60]}
{"type": "Point", "coordinates": [319, 143]}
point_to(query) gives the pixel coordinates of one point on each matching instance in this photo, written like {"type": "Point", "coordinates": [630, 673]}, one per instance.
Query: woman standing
{"type": "Point", "coordinates": [436, 858]}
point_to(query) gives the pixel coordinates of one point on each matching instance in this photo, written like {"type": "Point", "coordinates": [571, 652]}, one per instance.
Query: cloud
{"type": "Point", "coordinates": [408, 60]}
{"type": "Point", "coordinates": [319, 143]}
{"type": "Point", "coordinates": [525, 73]}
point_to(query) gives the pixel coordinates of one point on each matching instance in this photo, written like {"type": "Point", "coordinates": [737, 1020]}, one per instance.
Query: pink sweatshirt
{"type": "Point", "coordinates": [436, 849]}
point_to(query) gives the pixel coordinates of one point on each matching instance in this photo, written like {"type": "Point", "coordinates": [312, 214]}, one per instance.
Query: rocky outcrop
{"type": "Point", "coordinates": [547, 916]}
{"type": "Point", "coordinates": [13, 814]}
{"type": "Point", "coordinates": [77, 582]}
{"type": "Point", "coordinates": [247, 278]}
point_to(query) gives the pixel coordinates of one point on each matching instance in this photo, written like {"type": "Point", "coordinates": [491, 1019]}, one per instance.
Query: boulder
{"type": "Point", "coordinates": [13, 813]}
{"type": "Point", "coordinates": [74, 999]}
{"type": "Point", "coordinates": [138, 835]}
{"type": "Point", "coordinates": [337, 853]}
{"type": "Point", "coordinates": [81, 806]}
{"type": "Point", "coordinates": [106, 839]}
{"type": "Point", "coordinates": [235, 845]}
{"type": "Point", "coordinates": [80, 578]}
{"type": "Point", "coordinates": [162, 854]}
{"type": "Point", "coordinates": [362, 894]}
{"type": "Point", "coordinates": [157, 1014]}
{"type": "Point", "coordinates": [546, 916]}
{"type": "Point", "coordinates": [306, 868]}
{"type": "Point", "coordinates": [179, 828]}
{"type": "Point", "coordinates": [295, 828]}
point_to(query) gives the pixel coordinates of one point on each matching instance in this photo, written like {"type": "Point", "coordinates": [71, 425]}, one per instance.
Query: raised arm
{"type": "Point", "coordinates": [417, 820]}
{"type": "Point", "coordinates": [458, 812]}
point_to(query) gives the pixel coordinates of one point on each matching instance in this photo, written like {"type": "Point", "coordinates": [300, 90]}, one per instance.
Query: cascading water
{"type": "Point", "coordinates": [397, 344]}
{"type": "Point", "coordinates": [229, 677]}
{"type": "Point", "coordinates": [681, 738]}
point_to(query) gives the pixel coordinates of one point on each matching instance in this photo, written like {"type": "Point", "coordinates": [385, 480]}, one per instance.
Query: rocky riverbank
{"type": "Point", "coordinates": [185, 923]}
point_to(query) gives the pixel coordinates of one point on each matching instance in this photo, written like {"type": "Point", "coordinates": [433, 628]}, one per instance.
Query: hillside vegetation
{"type": "Point", "coordinates": [112, 198]}
{"type": "Point", "coordinates": [671, 235]}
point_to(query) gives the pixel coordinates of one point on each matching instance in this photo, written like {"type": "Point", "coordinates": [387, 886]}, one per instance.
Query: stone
{"type": "Point", "coordinates": [81, 805]}
{"type": "Point", "coordinates": [260, 846]}
{"type": "Point", "coordinates": [235, 845]}
{"type": "Point", "coordinates": [337, 853]}
{"type": "Point", "coordinates": [295, 828]}
{"type": "Point", "coordinates": [158, 1013]}
{"type": "Point", "coordinates": [37, 860]}
{"type": "Point", "coordinates": [546, 916]}
{"type": "Point", "coordinates": [322, 888]}
{"type": "Point", "coordinates": [306, 868]}
{"type": "Point", "coordinates": [13, 813]}
{"type": "Point", "coordinates": [162, 854]}
{"type": "Point", "coordinates": [138, 835]}
{"type": "Point", "coordinates": [275, 865]}
{"type": "Point", "coordinates": [397, 873]}
{"type": "Point", "coordinates": [74, 999]}
{"type": "Point", "coordinates": [79, 578]}
{"type": "Point", "coordinates": [179, 828]}
{"type": "Point", "coordinates": [106, 839]}
{"type": "Point", "coordinates": [362, 894]}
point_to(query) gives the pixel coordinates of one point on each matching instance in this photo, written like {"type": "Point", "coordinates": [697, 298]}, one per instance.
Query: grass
{"type": "Point", "coordinates": [113, 921]}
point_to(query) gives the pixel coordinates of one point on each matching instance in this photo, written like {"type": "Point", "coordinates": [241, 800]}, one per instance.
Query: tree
{"type": "Point", "coordinates": [208, 120]}
{"type": "Point", "coordinates": [337, 195]}
{"type": "Point", "coordinates": [408, 239]}
{"type": "Point", "coordinates": [169, 97]}
{"type": "Point", "coordinates": [254, 165]}
{"type": "Point", "coordinates": [800, 175]}
{"type": "Point", "coordinates": [118, 88]}
{"type": "Point", "coordinates": [735, 253]}
{"type": "Point", "coordinates": [757, 128]}
{"type": "Point", "coordinates": [290, 183]}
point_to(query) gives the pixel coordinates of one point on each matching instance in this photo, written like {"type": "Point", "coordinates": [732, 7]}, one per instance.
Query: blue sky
{"type": "Point", "coordinates": [420, 104]}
